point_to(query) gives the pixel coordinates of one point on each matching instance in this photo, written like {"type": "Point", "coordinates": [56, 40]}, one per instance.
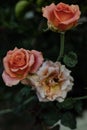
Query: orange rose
{"type": "Point", "coordinates": [61, 17]}
{"type": "Point", "coordinates": [18, 63]}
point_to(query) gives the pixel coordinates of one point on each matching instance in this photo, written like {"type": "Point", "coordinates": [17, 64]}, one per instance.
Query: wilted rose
{"type": "Point", "coordinates": [51, 82]}
{"type": "Point", "coordinates": [61, 17]}
{"type": "Point", "coordinates": [18, 63]}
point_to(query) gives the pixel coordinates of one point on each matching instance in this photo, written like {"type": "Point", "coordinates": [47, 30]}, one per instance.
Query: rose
{"type": "Point", "coordinates": [18, 63]}
{"type": "Point", "coordinates": [61, 17]}
{"type": "Point", "coordinates": [55, 81]}
{"type": "Point", "coordinates": [52, 81]}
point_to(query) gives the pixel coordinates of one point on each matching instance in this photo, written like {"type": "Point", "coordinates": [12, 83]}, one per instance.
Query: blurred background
{"type": "Point", "coordinates": [22, 25]}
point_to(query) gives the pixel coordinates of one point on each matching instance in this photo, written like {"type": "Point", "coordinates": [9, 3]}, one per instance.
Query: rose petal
{"type": "Point", "coordinates": [41, 99]}
{"type": "Point", "coordinates": [8, 80]}
{"type": "Point", "coordinates": [38, 61]}
{"type": "Point", "coordinates": [48, 12]}
{"type": "Point", "coordinates": [76, 16]}
{"type": "Point", "coordinates": [6, 66]}
{"type": "Point", "coordinates": [31, 60]}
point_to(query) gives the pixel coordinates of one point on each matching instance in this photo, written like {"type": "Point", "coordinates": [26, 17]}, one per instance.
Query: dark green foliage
{"type": "Point", "coordinates": [70, 59]}
{"type": "Point", "coordinates": [78, 107]}
{"type": "Point", "coordinates": [22, 94]}
{"type": "Point", "coordinates": [67, 104]}
{"type": "Point", "coordinates": [51, 117]}
{"type": "Point", "coordinates": [68, 120]}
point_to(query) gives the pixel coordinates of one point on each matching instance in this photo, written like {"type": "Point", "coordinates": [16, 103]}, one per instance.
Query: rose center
{"type": "Point", "coordinates": [17, 60]}
{"type": "Point", "coordinates": [63, 15]}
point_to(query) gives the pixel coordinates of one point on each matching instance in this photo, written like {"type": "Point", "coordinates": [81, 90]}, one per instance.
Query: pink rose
{"type": "Point", "coordinates": [61, 17]}
{"type": "Point", "coordinates": [18, 63]}
{"type": "Point", "coordinates": [52, 81]}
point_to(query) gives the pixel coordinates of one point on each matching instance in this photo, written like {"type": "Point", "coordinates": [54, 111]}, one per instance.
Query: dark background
{"type": "Point", "coordinates": [24, 29]}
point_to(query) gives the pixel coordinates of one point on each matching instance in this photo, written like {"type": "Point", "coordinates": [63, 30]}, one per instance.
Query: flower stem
{"type": "Point", "coordinates": [5, 111]}
{"type": "Point", "coordinates": [62, 37]}
{"type": "Point", "coordinates": [80, 98]}
{"type": "Point", "coordinates": [28, 100]}
{"type": "Point", "coordinates": [2, 112]}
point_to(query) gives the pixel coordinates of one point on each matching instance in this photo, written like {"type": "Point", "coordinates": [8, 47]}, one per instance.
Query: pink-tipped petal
{"type": "Point", "coordinates": [31, 60]}
{"type": "Point", "coordinates": [8, 80]}
{"type": "Point", "coordinates": [38, 61]}
{"type": "Point", "coordinates": [48, 12]}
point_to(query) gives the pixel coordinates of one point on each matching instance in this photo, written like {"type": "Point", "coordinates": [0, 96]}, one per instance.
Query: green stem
{"type": "Point", "coordinates": [80, 98]}
{"type": "Point", "coordinates": [27, 101]}
{"type": "Point", "coordinates": [62, 36]}
{"type": "Point", "coordinates": [5, 111]}
{"type": "Point", "coordinates": [2, 112]}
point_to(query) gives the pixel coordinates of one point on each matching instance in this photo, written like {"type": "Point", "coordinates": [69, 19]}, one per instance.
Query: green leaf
{"type": "Point", "coordinates": [78, 107]}
{"type": "Point", "coordinates": [51, 117]}
{"type": "Point", "coordinates": [70, 59]}
{"type": "Point", "coordinates": [68, 120]}
{"type": "Point", "coordinates": [66, 104]}
{"type": "Point", "coordinates": [8, 95]}
{"type": "Point", "coordinates": [23, 93]}
{"type": "Point", "coordinates": [22, 106]}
